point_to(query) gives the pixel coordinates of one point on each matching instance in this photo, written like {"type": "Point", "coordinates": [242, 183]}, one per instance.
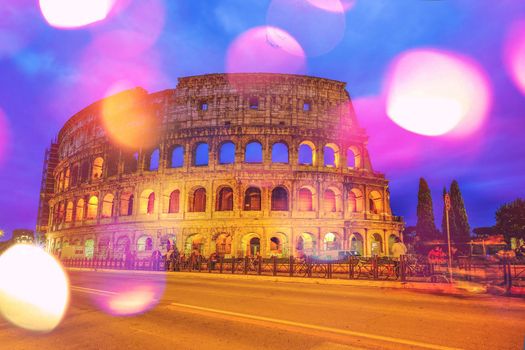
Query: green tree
{"type": "Point", "coordinates": [425, 226]}
{"type": "Point", "coordinates": [459, 226]}
{"type": "Point", "coordinates": [510, 219]}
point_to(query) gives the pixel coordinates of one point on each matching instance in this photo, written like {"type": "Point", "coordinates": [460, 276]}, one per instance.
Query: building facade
{"type": "Point", "coordinates": [242, 164]}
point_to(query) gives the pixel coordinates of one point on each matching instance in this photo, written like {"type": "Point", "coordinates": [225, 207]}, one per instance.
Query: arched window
{"type": "Point", "coordinates": [151, 203]}
{"type": "Point", "coordinates": [254, 246]}
{"type": "Point", "coordinates": [227, 153]}
{"type": "Point", "coordinates": [61, 212]}
{"type": "Point", "coordinates": [98, 163]}
{"type": "Point", "coordinates": [279, 153]}
{"type": "Point", "coordinates": [74, 175]}
{"type": "Point", "coordinates": [69, 212]}
{"type": "Point", "coordinates": [305, 154]}
{"type": "Point", "coordinates": [177, 157]}
{"type": "Point", "coordinates": [126, 204]}
{"type": "Point", "coordinates": [356, 243]}
{"type": "Point", "coordinates": [201, 154]}
{"type": "Point", "coordinates": [92, 208]}
{"type": "Point", "coordinates": [174, 202]}
{"type": "Point", "coordinates": [275, 245]}
{"type": "Point", "coordinates": [79, 210]}
{"type": "Point", "coordinates": [305, 200]}
{"type": "Point", "coordinates": [107, 206]}
{"type": "Point", "coordinates": [350, 158]}
{"type": "Point", "coordinates": [151, 162]}
{"type": "Point", "coordinates": [279, 199]}
{"type": "Point", "coordinates": [131, 162]}
{"type": "Point", "coordinates": [331, 156]}
{"type": "Point", "coordinates": [353, 158]}
{"type": "Point", "coordinates": [253, 153]}
{"type": "Point", "coordinates": [112, 163]}
{"type": "Point", "coordinates": [225, 199]}
{"type": "Point", "coordinates": [375, 202]}
{"type": "Point", "coordinates": [329, 203]}
{"type": "Point", "coordinates": [198, 200]}
{"type": "Point", "coordinates": [84, 171]}
{"type": "Point", "coordinates": [252, 199]}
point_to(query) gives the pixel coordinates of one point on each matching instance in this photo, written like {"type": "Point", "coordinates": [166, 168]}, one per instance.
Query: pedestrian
{"type": "Point", "coordinates": [398, 248]}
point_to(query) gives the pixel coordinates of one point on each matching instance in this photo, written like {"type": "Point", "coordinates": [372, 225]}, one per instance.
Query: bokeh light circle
{"type": "Point", "coordinates": [265, 50]}
{"type": "Point", "coordinates": [333, 5]}
{"type": "Point", "coordinates": [433, 92]}
{"type": "Point", "coordinates": [514, 54]}
{"type": "Point", "coordinates": [34, 289]}
{"type": "Point", "coordinates": [129, 118]}
{"type": "Point", "coordinates": [74, 13]}
{"type": "Point", "coordinates": [317, 30]}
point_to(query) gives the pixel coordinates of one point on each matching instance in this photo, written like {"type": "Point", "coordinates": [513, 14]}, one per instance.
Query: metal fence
{"type": "Point", "coordinates": [409, 268]}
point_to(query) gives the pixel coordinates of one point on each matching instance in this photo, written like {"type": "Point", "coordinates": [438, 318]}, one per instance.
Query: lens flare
{"type": "Point", "coordinates": [514, 54]}
{"type": "Point", "coordinates": [34, 290]}
{"type": "Point", "coordinates": [130, 119]}
{"type": "Point", "coordinates": [131, 294]}
{"type": "Point", "coordinates": [74, 13]}
{"type": "Point", "coordinates": [433, 93]}
{"type": "Point", "coordinates": [317, 30]}
{"type": "Point", "coordinates": [265, 49]}
{"type": "Point", "coordinates": [333, 5]}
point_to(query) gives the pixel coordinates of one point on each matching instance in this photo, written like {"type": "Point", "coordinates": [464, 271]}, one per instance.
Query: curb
{"type": "Point", "coordinates": [445, 288]}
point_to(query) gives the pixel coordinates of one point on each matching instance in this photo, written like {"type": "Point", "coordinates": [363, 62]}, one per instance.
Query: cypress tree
{"type": "Point", "coordinates": [461, 231]}
{"type": "Point", "coordinates": [444, 218]}
{"type": "Point", "coordinates": [425, 226]}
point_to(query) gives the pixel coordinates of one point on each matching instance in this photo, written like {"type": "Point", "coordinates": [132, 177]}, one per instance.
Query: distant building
{"type": "Point", "coordinates": [19, 236]}
{"type": "Point", "coordinates": [276, 165]}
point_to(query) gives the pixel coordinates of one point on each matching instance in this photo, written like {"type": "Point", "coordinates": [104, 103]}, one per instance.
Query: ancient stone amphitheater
{"type": "Point", "coordinates": [243, 164]}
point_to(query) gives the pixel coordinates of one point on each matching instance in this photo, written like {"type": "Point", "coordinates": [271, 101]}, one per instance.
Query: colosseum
{"type": "Point", "coordinates": [242, 164]}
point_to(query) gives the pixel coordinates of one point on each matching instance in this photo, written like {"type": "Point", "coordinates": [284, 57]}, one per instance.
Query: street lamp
{"type": "Point", "coordinates": [447, 208]}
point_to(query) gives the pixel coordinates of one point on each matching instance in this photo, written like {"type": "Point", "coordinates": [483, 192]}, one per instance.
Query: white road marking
{"type": "Point", "coordinates": [317, 328]}
{"type": "Point", "coordinates": [93, 291]}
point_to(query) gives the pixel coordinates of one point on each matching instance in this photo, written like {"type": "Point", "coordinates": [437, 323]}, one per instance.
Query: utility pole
{"type": "Point", "coordinates": [447, 208]}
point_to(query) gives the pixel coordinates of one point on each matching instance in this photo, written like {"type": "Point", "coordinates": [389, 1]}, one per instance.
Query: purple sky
{"type": "Point", "coordinates": [47, 74]}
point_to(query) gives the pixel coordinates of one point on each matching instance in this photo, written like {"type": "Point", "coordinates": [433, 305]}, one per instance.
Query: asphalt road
{"type": "Point", "coordinates": [210, 313]}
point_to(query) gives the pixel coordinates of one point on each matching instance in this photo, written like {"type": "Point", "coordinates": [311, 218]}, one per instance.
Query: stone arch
{"type": "Point", "coordinates": [195, 243]}
{"type": "Point", "coordinates": [356, 243]}
{"type": "Point", "coordinates": [176, 156]}
{"type": "Point", "coordinates": [89, 248]}
{"type": "Point", "coordinates": [147, 202]}
{"type": "Point", "coordinates": [69, 211]}
{"type": "Point", "coordinates": [391, 240]}
{"type": "Point", "coordinates": [103, 249]}
{"type": "Point", "coordinates": [122, 246]}
{"type": "Point", "coordinates": [306, 153]}
{"type": "Point", "coordinates": [279, 200]}
{"type": "Point", "coordinates": [96, 171]}
{"type": "Point", "coordinates": [144, 243]}
{"type": "Point", "coordinates": [252, 199]}
{"type": "Point", "coordinates": [376, 244]}
{"type": "Point", "coordinates": [224, 201]}
{"type": "Point", "coordinates": [277, 244]}
{"type": "Point", "coordinates": [152, 160]}
{"type": "Point", "coordinates": [92, 208]}
{"type": "Point", "coordinates": [201, 154]}
{"type": "Point", "coordinates": [355, 201]}
{"type": "Point", "coordinates": [331, 241]}
{"type": "Point", "coordinates": [126, 203]}
{"type": "Point", "coordinates": [375, 201]}
{"type": "Point", "coordinates": [197, 200]}
{"type": "Point", "coordinates": [227, 152]}
{"type": "Point", "coordinates": [79, 210]}
{"type": "Point", "coordinates": [331, 155]}
{"type": "Point", "coordinates": [223, 244]}
{"type": "Point", "coordinates": [353, 157]}
{"type": "Point", "coordinates": [253, 152]}
{"type": "Point", "coordinates": [305, 244]}
{"type": "Point", "coordinates": [280, 152]}
{"type": "Point", "coordinates": [107, 205]}
{"type": "Point", "coordinates": [305, 199]}
{"type": "Point", "coordinates": [251, 244]}
{"type": "Point", "coordinates": [174, 202]}
{"type": "Point", "coordinates": [331, 200]}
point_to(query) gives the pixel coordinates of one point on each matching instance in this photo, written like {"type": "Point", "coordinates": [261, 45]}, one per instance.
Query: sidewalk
{"type": "Point", "coordinates": [461, 288]}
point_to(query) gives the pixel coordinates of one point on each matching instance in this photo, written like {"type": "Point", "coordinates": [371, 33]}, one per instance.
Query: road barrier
{"type": "Point", "coordinates": [505, 274]}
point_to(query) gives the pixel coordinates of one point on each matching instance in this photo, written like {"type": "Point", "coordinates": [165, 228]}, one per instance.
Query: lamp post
{"type": "Point", "coordinates": [447, 208]}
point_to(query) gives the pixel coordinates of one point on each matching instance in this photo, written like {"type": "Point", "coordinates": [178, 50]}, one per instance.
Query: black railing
{"type": "Point", "coordinates": [409, 268]}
